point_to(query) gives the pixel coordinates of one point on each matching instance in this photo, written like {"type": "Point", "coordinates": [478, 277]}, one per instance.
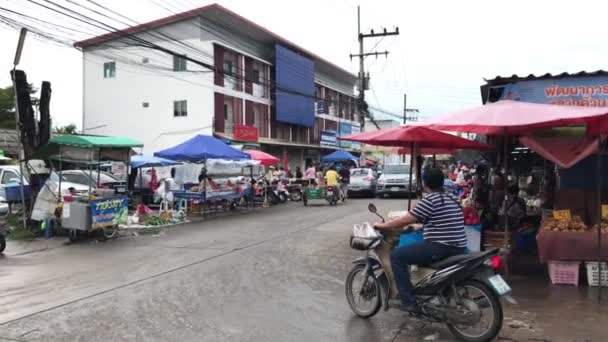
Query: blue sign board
{"type": "Point", "coordinates": [345, 129]}
{"type": "Point", "coordinates": [109, 212]}
{"type": "Point", "coordinates": [328, 138]}
{"type": "Point", "coordinates": [573, 91]}
{"type": "Point", "coordinates": [295, 88]}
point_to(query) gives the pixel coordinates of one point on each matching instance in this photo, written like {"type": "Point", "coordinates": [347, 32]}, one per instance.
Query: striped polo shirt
{"type": "Point", "coordinates": [442, 219]}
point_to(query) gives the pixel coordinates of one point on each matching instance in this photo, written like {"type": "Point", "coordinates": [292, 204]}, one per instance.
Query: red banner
{"type": "Point", "coordinates": [245, 133]}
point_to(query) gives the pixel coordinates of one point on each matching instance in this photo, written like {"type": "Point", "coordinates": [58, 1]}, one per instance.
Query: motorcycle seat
{"type": "Point", "coordinates": [443, 263]}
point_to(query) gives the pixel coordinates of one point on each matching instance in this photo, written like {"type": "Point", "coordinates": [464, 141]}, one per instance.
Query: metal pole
{"type": "Point", "coordinates": [18, 52]}
{"type": "Point", "coordinates": [361, 57]}
{"type": "Point", "coordinates": [20, 146]}
{"type": "Point", "coordinates": [504, 204]}
{"type": "Point", "coordinates": [599, 218]}
{"type": "Point", "coordinates": [409, 197]}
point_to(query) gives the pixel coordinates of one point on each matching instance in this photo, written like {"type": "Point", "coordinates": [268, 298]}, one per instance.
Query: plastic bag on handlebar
{"type": "Point", "coordinates": [365, 230]}
{"type": "Point", "coordinates": [364, 235]}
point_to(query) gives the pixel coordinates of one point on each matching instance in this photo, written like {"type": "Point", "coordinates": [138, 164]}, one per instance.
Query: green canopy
{"type": "Point", "coordinates": [94, 141]}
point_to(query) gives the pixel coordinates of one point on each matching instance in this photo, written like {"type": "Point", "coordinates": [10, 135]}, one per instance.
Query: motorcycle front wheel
{"type": "Point", "coordinates": [363, 292]}
{"type": "Point", "coordinates": [479, 297]}
{"type": "Point", "coordinates": [295, 196]}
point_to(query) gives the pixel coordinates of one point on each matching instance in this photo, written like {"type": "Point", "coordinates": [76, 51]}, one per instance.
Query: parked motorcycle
{"type": "Point", "coordinates": [295, 192]}
{"type": "Point", "coordinates": [461, 291]}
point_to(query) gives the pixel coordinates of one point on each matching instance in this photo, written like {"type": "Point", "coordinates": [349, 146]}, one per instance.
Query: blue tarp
{"type": "Point", "coordinates": [150, 161]}
{"type": "Point", "coordinates": [338, 156]}
{"type": "Point", "coordinates": [201, 148]}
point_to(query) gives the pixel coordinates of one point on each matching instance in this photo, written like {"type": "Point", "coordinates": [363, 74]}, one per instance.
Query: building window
{"type": "Point", "coordinates": [179, 63]}
{"type": "Point", "coordinates": [180, 108]}
{"type": "Point", "coordinates": [228, 68]}
{"type": "Point", "coordinates": [109, 69]}
{"type": "Point", "coordinates": [145, 104]}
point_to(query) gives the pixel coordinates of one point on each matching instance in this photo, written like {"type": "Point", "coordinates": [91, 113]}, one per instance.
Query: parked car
{"type": "Point", "coordinates": [362, 181]}
{"type": "Point", "coordinates": [10, 174]}
{"type": "Point", "coordinates": [95, 179]}
{"type": "Point", "coordinates": [395, 180]}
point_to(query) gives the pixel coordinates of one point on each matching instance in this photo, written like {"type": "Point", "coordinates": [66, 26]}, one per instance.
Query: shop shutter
{"type": "Point", "coordinates": [248, 75]}
{"type": "Point", "coordinates": [220, 116]}
{"type": "Point", "coordinates": [218, 64]}
{"type": "Point", "coordinates": [249, 120]}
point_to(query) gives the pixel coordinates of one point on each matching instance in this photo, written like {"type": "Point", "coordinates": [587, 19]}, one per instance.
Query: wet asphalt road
{"type": "Point", "coordinates": [273, 274]}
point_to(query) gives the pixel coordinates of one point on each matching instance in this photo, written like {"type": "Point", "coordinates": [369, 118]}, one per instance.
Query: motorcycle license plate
{"type": "Point", "coordinates": [499, 284]}
{"type": "Point", "coordinates": [330, 193]}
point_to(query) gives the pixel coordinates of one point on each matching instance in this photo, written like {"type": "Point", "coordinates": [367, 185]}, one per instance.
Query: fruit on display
{"type": "Point", "coordinates": [470, 216]}
{"type": "Point", "coordinates": [604, 226]}
{"type": "Point", "coordinates": [575, 225]}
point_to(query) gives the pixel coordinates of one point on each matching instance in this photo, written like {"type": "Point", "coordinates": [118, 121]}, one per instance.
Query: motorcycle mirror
{"type": "Point", "coordinates": [372, 208]}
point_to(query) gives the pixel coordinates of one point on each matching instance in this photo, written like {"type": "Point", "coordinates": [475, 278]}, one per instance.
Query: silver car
{"type": "Point", "coordinates": [395, 180]}
{"type": "Point", "coordinates": [362, 181]}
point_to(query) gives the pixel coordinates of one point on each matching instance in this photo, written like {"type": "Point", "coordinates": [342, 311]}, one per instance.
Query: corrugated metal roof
{"type": "Point", "coordinates": [498, 80]}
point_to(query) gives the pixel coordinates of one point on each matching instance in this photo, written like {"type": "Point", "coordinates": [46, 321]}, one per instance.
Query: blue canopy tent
{"type": "Point", "coordinates": [200, 148]}
{"type": "Point", "coordinates": [140, 160]}
{"type": "Point", "coordinates": [338, 157]}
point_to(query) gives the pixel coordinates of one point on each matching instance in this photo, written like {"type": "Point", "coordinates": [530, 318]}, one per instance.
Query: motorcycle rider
{"type": "Point", "coordinates": [443, 231]}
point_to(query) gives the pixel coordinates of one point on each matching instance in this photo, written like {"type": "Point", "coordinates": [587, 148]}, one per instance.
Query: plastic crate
{"type": "Point", "coordinates": [410, 238]}
{"type": "Point", "coordinates": [564, 272]}
{"type": "Point", "coordinates": [473, 237]}
{"type": "Point", "coordinates": [13, 192]}
{"type": "Point", "coordinates": [592, 273]}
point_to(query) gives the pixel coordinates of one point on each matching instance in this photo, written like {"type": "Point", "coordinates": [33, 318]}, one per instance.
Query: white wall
{"type": "Point", "coordinates": [115, 105]}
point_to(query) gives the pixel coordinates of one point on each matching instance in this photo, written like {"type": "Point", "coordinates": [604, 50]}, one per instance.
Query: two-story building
{"type": "Point", "coordinates": [212, 71]}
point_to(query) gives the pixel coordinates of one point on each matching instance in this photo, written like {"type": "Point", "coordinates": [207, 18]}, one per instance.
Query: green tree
{"type": "Point", "coordinates": [69, 129]}
{"type": "Point", "coordinates": [7, 106]}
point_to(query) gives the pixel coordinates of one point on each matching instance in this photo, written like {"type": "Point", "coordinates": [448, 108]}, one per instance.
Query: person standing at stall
{"type": "Point", "coordinates": [298, 173]}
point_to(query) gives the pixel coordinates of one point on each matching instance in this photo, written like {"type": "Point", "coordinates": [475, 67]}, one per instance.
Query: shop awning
{"type": "Point", "coordinates": [421, 136]}
{"type": "Point", "coordinates": [95, 141]}
{"type": "Point", "coordinates": [139, 160]}
{"type": "Point", "coordinates": [338, 156]}
{"type": "Point", "coordinates": [508, 117]}
{"type": "Point", "coordinates": [263, 157]}
{"type": "Point", "coordinates": [200, 148]}
{"type": "Point", "coordinates": [563, 146]}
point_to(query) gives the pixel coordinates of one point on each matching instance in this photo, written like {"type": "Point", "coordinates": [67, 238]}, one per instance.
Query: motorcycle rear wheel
{"type": "Point", "coordinates": [491, 300]}
{"type": "Point", "coordinates": [372, 291]}
{"type": "Point", "coordinates": [295, 196]}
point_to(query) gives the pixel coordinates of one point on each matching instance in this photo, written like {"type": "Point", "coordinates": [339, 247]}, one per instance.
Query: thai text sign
{"type": "Point", "coordinates": [574, 91]}
{"type": "Point", "coordinates": [562, 215]}
{"type": "Point", "coordinates": [245, 133]}
{"type": "Point", "coordinates": [109, 212]}
{"type": "Point", "coordinates": [328, 138]}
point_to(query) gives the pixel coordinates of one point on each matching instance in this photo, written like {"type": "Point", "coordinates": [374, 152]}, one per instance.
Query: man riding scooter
{"type": "Point", "coordinates": [443, 231]}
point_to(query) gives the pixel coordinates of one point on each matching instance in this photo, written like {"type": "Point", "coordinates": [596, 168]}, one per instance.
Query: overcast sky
{"type": "Point", "coordinates": [444, 51]}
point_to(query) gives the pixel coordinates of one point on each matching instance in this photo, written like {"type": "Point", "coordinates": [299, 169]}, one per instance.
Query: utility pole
{"type": "Point", "coordinates": [414, 112]}
{"type": "Point", "coordinates": [363, 78]}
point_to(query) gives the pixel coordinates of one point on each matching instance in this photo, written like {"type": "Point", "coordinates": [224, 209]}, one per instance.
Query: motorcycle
{"type": "Point", "coordinates": [332, 194]}
{"type": "Point", "coordinates": [461, 291]}
{"type": "Point", "coordinates": [295, 192]}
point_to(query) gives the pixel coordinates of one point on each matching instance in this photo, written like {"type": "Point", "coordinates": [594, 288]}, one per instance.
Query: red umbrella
{"type": "Point", "coordinates": [423, 137]}
{"type": "Point", "coordinates": [508, 117]}
{"type": "Point", "coordinates": [263, 157]}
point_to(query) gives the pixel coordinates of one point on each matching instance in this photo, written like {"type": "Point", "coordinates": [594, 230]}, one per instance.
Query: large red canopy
{"type": "Point", "coordinates": [263, 157]}
{"type": "Point", "coordinates": [424, 138]}
{"type": "Point", "coordinates": [508, 117]}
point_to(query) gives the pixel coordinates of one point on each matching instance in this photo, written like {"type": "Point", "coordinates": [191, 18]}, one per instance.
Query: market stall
{"type": "Point", "coordinates": [513, 118]}
{"type": "Point", "coordinates": [97, 209]}
{"type": "Point", "coordinates": [216, 186]}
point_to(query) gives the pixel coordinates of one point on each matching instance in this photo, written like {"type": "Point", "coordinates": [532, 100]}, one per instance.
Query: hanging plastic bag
{"type": "Point", "coordinates": [364, 235]}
